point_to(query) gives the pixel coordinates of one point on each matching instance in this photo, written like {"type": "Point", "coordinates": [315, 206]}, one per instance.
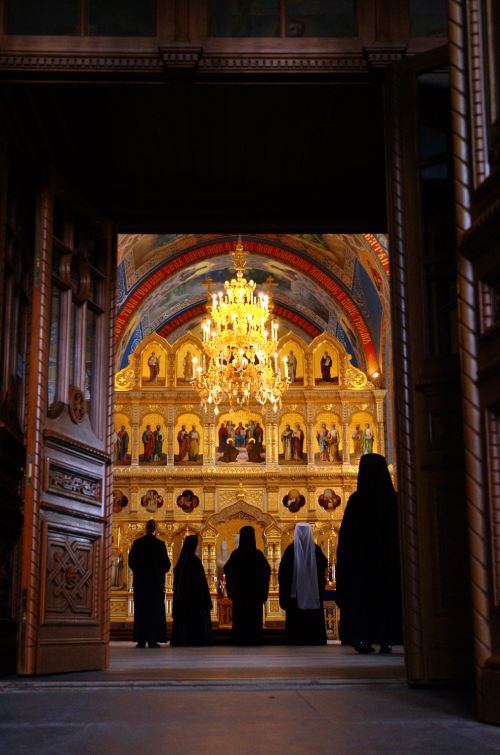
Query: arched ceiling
{"type": "Point", "coordinates": [336, 283]}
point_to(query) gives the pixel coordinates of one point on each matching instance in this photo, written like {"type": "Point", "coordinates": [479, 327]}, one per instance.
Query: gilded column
{"type": "Point", "coordinates": [209, 500]}
{"type": "Point", "coordinates": [134, 499]}
{"type": "Point", "coordinates": [273, 555]}
{"type": "Point", "coordinates": [136, 435]}
{"type": "Point", "coordinates": [346, 442]}
{"type": "Point", "coordinates": [212, 442]}
{"type": "Point", "coordinates": [205, 432]}
{"type": "Point", "coordinates": [169, 500]}
{"type": "Point", "coordinates": [208, 557]}
{"type": "Point", "coordinates": [310, 443]}
{"type": "Point", "coordinates": [169, 581]}
{"type": "Point", "coordinates": [380, 440]}
{"type": "Point", "coordinates": [272, 448]}
{"type": "Point", "coordinates": [311, 499]}
{"type": "Point", "coordinates": [170, 435]}
{"type": "Point", "coordinates": [171, 371]}
{"type": "Point", "coordinates": [308, 371]}
{"type": "Point", "coordinates": [272, 499]}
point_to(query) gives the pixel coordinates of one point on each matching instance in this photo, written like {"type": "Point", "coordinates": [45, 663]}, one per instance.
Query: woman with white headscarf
{"type": "Point", "coordinates": [302, 581]}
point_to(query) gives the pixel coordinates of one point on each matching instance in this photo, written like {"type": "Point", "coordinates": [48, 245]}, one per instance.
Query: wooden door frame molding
{"type": "Point", "coordinates": [477, 224]}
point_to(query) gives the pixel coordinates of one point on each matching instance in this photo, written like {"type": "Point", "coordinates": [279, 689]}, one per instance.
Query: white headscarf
{"type": "Point", "coordinates": [305, 574]}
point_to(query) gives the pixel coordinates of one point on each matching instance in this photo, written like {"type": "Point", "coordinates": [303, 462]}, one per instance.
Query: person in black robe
{"type": "Point", "coordinates": [148, 559]}
{"type": "Point", "coordinates": [301, 577]}
{"type": "Point", "coordinates": [247, 582]}
{"type": "Point", "coordinates": [368, 567]}
{"type": "Point", "coordinates": [192, 603]}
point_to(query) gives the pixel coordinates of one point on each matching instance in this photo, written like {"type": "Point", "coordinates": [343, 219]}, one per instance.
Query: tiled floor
{"type": "Point", "coordinates": [238, 700]}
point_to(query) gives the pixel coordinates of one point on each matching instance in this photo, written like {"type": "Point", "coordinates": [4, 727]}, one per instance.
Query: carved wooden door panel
{"type": "Point", "coordinates": [64, 617]}
{"type": "Point", "coordinates": [427, 370]}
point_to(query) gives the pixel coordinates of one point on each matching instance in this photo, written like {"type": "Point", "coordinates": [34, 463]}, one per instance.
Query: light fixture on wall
{"type": "Point", "coordinates": [240, 359]}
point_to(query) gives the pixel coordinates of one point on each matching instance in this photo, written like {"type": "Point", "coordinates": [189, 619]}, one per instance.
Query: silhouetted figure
{"type": "Point", "coordinates": [192, 603]}
{"type": "Point", "coordinates": [148, 559]}
{"type": "Point", "coordinates": [368, 567]}
{"type": "Point", "coordinates": [301, 578]}
{"type": "Point", "coordinates": [247, 582]}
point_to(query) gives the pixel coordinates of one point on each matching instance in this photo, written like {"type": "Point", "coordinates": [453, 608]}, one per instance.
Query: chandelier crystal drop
{"type": "Point", "coordinates": [240, 360]}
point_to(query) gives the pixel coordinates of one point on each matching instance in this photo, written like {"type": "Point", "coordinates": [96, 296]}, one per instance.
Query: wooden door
{"type": "Point", "coordinates": [430, 454]}
{"type": "Point", "coordinates": [66, 538]}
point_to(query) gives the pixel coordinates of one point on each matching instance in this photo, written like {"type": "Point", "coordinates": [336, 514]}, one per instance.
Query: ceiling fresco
{"type": "Point", "coordinates": [336, 283]}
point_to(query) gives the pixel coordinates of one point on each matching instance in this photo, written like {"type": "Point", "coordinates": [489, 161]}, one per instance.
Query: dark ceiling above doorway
{"type": "Point", "coordinates": [215, 157]}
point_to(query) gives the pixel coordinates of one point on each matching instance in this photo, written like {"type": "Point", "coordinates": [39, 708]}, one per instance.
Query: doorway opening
{"type": "Point", "coordinates": [331, 298]}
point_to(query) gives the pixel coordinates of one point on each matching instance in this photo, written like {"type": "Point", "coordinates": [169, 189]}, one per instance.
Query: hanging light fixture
{"type": "Point", "coordinates": [240, 360]}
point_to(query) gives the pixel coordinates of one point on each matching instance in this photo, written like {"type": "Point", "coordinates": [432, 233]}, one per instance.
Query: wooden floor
{"type": "Point", "coordinates": [295, 665]}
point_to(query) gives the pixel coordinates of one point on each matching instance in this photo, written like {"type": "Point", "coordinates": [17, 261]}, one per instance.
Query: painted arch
{"type": "Point", "coordinates": [333, 283]}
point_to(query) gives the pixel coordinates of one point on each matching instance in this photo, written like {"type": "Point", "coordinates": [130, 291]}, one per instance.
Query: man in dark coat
{"type": "Point", "coordinates": [149, 562]}
{"type": "Point", "coordinates": [247, 581]}
{"type": "Point", "coordinates": [368, 568]}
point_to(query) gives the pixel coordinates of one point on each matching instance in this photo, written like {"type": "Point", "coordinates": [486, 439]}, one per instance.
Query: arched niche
{"type": "Point", "coordinates": [223, 530]}
{"type": "Point", "coordinates": [291, 347]}
{"type": "Point", "coordinates": [122, 440]}
{"type": "Point", "coordinates": [296, 453]}
{"type": "Point", "coordinates": [242, 426]}
{"type": "Point", "coordinates": [241, 510]}
{"type": "Point", "coordinates": [186, 349]}
{"type": "Point", "coordinates": [328, 438]}
{"type": "Point", "coordinates": [327, 354]}
{"type": "Point", "coordinates": [153, 361]}
{"type": "Point", "coordinates": [360, 423]}
{"type": "Point", "coordinates": [185, 448]}
{"type": "Point", "coordinates": [152, 438]}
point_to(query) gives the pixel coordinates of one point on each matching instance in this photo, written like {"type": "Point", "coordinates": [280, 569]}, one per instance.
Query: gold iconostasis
{"type": "Point", "coordinates": [212, 473]}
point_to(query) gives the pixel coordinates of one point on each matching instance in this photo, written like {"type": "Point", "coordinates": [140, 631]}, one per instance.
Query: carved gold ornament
{"type": "Point", "coordinates": [125, 379]}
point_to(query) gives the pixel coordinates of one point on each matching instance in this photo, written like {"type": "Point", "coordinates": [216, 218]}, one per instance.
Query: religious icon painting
{"type": "Point", "coordinates": [152, 501]}
{"type": "Point", "coordinates": [188, 501]}
{"type": "Point", "coordinates": [117, 570]}
{"type": "Point", "coordinates": [241, 440]}
{"type": "Point", "coordinates": [362, 434]}
{"type": "Point", "coordinates": [188, 360]}
{"type": "Point", "coordinates": [153, 441]}
{"type": "Point", "coordinates": [328, 439]}
{"type": "Point", "coordinates": [120, 500]}
{"type": "Point", "coordinates": [153, 366]}
{"type": "Point", "coordinates": [326, 370]}
{"type": "Point", "coordinates": [329, 500]}
{"type": "Point", "coordinates": [121, 442]}
{"type": "Point", "coordinates": [293, 501]}
{"type": "Point", "coordinates": [293, 445]}
{"type": "Point", "coordinates": [188, 442]}
{"type": "Point", "coordinates": [291, 363]}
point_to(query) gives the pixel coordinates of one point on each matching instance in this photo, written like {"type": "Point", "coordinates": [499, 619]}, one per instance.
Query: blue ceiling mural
{"type": "Point", "coordinates": [336, 283]}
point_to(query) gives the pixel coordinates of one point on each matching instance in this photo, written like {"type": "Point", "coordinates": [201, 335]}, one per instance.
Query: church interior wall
{"type": "Point", "coordinates": [204, 492]}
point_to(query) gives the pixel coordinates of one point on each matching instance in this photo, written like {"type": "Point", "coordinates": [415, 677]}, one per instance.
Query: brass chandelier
{"type": "Point", "coordinates": [240, 361]}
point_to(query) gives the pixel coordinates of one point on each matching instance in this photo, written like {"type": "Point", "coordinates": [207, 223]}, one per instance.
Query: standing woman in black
{"type": "Point", "coordinates": [192, 603]}
{"type": "Point", "coordinates": [368, 568]}
{"type": "Point", "coordinates": [247, 581]}
{"type": "Point", "coordinates": [301, 578]}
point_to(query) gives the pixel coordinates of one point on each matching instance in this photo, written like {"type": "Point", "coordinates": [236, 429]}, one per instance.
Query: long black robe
{"type": "Point", "coordinates": [368, 567]}
{"type": "Point", "coordinates": [149, 562]}
{"type": "Point", "coordinates": [303, 626]}
{"type": "Point", "coordinates": [192, 603]}
{"type": "Point", "coordinates": [247, 580]}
